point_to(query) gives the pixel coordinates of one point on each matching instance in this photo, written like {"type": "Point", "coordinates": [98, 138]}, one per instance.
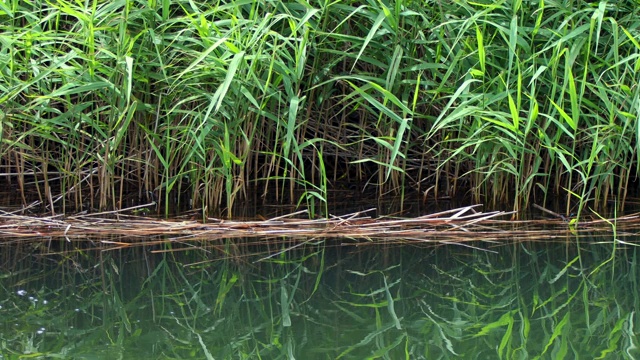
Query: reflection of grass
{"type": "Point", "coordinates": [523, 301]}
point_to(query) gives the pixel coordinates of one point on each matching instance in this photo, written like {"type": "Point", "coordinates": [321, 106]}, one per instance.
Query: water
{"type": "Point", "coordinates": [229, 300]}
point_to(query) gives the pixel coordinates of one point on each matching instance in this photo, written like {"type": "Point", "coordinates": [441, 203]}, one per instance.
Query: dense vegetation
{"type": "Point", "coordinates": [509, 101]}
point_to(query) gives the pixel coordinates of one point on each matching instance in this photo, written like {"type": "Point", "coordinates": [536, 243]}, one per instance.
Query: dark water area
{"type": "Point", "coordinates": [256, 204]}
{"type": "Point", "coordinates": [224, 299]}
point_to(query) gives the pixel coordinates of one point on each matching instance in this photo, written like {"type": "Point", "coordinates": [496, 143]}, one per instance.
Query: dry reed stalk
{"type": "Point", "coordinates": [462, 225]}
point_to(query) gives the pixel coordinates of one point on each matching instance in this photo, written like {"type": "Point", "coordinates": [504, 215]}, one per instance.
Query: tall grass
{"type": "Point", "coordinates": [516, 101]}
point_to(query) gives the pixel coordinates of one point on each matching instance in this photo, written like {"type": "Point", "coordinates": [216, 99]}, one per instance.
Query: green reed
{"type": "Point", "coordinates": [517, 101]}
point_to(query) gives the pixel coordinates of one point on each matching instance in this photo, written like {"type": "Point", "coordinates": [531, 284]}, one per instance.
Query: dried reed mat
{"type": "Point", "coordinates": [453, 226]}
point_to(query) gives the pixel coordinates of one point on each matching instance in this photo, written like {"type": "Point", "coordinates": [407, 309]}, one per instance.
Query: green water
{"type": "Point", "coordinates": [324, 300]}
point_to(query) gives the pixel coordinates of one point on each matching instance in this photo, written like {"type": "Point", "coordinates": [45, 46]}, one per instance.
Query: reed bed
{"type": "Point", "coordinates": [512, 102]}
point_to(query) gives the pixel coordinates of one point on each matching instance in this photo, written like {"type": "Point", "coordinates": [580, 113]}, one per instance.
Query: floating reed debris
{"type": "Point", "coordinates": [461, 225]}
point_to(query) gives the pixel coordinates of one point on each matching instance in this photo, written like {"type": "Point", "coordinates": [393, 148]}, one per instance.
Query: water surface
{"type": "Point", "coordinates": [325, 300]}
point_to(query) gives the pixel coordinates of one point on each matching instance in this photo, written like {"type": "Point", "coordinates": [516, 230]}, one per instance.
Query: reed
{"type": "Point", "coordinates": [517, 101]}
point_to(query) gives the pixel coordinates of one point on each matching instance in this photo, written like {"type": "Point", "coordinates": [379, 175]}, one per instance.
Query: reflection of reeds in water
{"type": "Point", "coordinates": [510, 102]}
{"type": "Point", "coordinates": [523, 300]}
